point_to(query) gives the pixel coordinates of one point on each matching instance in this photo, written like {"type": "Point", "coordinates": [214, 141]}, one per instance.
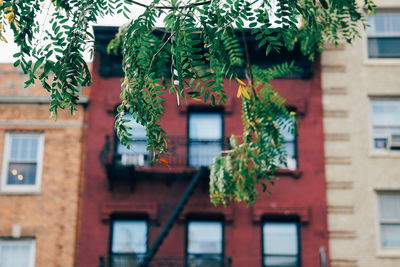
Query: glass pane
{"type": "Point", "coordinates": [202, 153]}
{"type": "Point", "coordinates": [23, 148]}
{"type": "Point", "coordinates": [15, 255]}
{"type": "Point", "coordinates": [390, 235]}
{"type": "Point", "coordinates": [137, 154]}
{"type": "Point", "coordinates": [138, 132]}
{"type": "Point", "coordinates": [129, 236]}
{"type": "Point", "coordinates": [384, 47]}
{"type": "Point", "coordinates": [386, 112]}
{"type": "Point", "coordinates": [21, 173]}
{"type": "Point", "coordinates": [280, 238]}
{"type": "Point", "coordinates": [289, 145]}
{"type": "Point", "coordinates": [205, 126]}
{"type": "Point", "coordinates": [380, 143]}
{"type": "Point", "coordinates": [276, 261]}
{"type": "Point", "coordinates": [205, 237]}
{"type": "Point", "coordinates": [389, 207]}
{"type": "Point", "coordinates": [205, 261]}
{"type": "Point", "coordinates": [384, 23]}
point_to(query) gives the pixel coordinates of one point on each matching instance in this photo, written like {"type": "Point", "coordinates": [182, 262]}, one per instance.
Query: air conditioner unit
{"type": "Point", "coordinates": [133, 159]}
{"type": "Point", "coordinates": [394, 141]}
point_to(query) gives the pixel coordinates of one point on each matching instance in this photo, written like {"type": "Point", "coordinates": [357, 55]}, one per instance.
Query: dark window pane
{"type": "Point", "coordinates": [384, 47]}
{"type": "Point", "coordinates": [380, 143]}
{"type": "Point", "coordinates": [21, 173]}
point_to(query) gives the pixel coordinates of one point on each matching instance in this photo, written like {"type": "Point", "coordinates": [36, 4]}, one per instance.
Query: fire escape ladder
{"type": "Point", "coordinates": [172, 218]}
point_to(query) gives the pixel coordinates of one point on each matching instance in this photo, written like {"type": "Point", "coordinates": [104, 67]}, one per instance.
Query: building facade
{"type": "Point", "coordinates": [129, 203]}
{"type": "Point", "coordinates": [361, 99]}
{"type": "Point", "coordinates": [41, 170]}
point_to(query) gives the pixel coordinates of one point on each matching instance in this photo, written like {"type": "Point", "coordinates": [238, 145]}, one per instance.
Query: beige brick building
{"type": "Point", "coordinates": [361, 96]}
{"type": "Point", "coordinates": [40, 176]}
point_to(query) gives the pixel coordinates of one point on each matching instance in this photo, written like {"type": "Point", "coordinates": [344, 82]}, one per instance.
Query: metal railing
{"type": "Point", "coordinates": [134, 260]}
{"type": "Point", "coordinates": [181, 152]}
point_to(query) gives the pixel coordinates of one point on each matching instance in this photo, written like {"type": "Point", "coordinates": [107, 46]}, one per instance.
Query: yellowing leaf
{"type": "Point", "coordinates": [245, 92]}
{"type": "Point", "coordinates": [239, 92]}
{"type": "Point", "coordinates": [239, 81]}
{"type": "Point", "coordinates": [164, 161]}
{"type": "Point", "coordinates": [196, 99]}
{"type": "Point", "coordinates": [9, 17]}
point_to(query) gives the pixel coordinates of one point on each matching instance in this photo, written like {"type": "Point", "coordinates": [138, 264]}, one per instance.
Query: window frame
{"type": "Point", "coordinates": [383, 60]}
{"type": "Point", "coordinates": [126, 219]}
{"type": "Point", "coordinates": [203, 111]}
{"type": "Point", "coordinates": [289, 220]}
{"type": "Point", "coordinates": [23, 241]}
{"type": "Point", "coordinates": [187, 254]}
{"type": "Point", "coordinates": [380, 223]}
{"type": "Point", "coordinates": [21, 189]}
{"type": "Point", "coordinates": [372, 125]}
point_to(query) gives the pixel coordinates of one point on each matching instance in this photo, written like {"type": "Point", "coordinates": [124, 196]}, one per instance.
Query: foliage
{"type": "Point", "coordinates": [197, 50]}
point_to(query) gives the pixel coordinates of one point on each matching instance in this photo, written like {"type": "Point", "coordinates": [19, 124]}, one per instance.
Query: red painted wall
{"type": "Point", "coordinates": [304, 195]}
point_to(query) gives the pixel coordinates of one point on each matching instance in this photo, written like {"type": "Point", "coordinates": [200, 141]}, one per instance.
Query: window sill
{"type": "Point", "coordinates": [20, 192]}
{"type": "Point", "coordinates": [384, 154]}
{"type": "Point", "coordinates": [371, 62]}
{"type": "Point", "coordinates": [287, 172]}
{"type": "Point", "coordinates": [389, 253]}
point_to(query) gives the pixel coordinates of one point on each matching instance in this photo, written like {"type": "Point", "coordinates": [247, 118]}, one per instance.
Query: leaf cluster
{"type": "Point", "coordinates": [196, 52]}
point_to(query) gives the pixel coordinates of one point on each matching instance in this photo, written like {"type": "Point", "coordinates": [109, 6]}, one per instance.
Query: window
{"type": "Point", "coordinates": [205, 137]}
{"type": "Point", "coordinates": [137, 154]}
{"type": "Point", "coordinates": [386, 124]}
{"type": "Point", "coordinates": [281, 244]}
{"type": "Point", "coordinates": [22, 162]}
{"type": "Point", "coordinates": [205, 244]}
{"type": "Point", "coordinates": [389, 219]}
{"type": "Point", "coordinates": [128, 242]}
{"type": "Point", "coordinates": [384, 35]}
{"type": "Point", "coordinates": [290, 144]}
{"type": "Point", "coordinates": [17, 252]}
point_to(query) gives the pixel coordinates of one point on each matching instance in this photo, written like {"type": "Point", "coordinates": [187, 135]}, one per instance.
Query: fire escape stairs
{"type": "Point", "coordinates": [173, 217]}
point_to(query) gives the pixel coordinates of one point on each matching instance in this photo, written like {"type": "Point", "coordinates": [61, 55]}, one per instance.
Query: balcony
{"type": "Point", "coordinates": [183, 155]}
{"type": "Point", "coordinates": [124, 260]}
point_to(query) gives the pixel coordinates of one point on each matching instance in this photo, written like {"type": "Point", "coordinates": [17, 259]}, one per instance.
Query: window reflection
{"type": "Point", "coordinates": [205, 137]}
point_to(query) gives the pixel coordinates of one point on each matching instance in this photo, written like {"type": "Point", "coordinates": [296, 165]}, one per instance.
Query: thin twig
{"type": "Point", "coordinates": [171, 7]}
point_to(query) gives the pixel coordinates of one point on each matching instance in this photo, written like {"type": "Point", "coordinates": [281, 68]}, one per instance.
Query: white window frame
{"type": "Point", "coordinates": [18, 189]}
{"type": "Point", "coordinates": [23, 241]}
{"type": "Point", "coordinates": [385, 251]}
{"type": "Point", "coordinates": [372, 135]}
{"type": "Point", "coordinates": [379, 61]}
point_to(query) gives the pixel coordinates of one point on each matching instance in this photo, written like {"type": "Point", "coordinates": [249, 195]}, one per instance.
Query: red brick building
{"type": "Point", "coordinates": [127, 201]}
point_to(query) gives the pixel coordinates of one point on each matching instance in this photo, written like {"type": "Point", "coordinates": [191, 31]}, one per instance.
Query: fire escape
{"type": "Point", "coordinates": [128, 167]}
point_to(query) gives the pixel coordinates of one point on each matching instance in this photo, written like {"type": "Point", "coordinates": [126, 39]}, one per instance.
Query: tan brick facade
{"type": "Point", "coordinates": [50, 216]}
{"type": "Point", "coordinates": [355, 172]}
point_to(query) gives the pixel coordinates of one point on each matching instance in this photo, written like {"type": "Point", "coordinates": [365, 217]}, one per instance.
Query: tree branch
{"type": "Point", "coordinates": [171, 7]}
